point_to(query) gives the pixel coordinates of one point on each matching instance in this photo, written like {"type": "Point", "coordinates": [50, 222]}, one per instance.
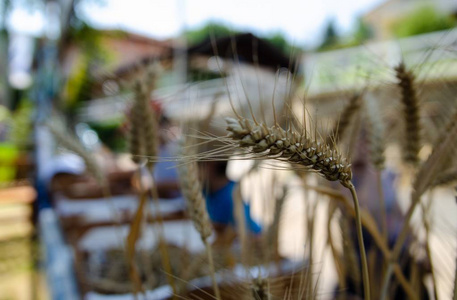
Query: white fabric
{"type": "Point", "coordinates": [179, 233]}
{"type": "Point", "coordinates": [64, 163]}
{"type": "Point", "coordinates": [102, 209]}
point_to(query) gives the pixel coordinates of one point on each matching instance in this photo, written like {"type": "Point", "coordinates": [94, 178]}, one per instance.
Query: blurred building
{"type": "Point", "coordinates": [242, 66]}
{"type": "Point", "coordinates": [101, 53]}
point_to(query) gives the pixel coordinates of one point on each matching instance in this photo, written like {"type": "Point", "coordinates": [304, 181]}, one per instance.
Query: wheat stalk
{"type": "Point", "coordinates": [339, 261]}
{"type": "Point", "coordinates": [240, 220]}
{"type": "Point", "coordinates": [425, 176]}
{"type": "Point", "coordinates": [370, 225]}
{"type": "Point", "coordinates": [445, 178]}
{"type": "Point", "coordinates": [349, 253]}
{"type": "Point", "coordinates": [272, 235]}
{"type": "Point", "coordinates": [192, 191]}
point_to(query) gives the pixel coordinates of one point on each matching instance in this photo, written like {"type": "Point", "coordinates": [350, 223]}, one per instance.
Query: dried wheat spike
{"type": "Point", "coordinates": [192, 191]}
{"type": "Point", "coordinates": [136, 138]}
{"type": "Point", "coordinates": [411, 111]}
{"type": "Point", "coordinates": [347, 115]}
{"type": "Point", "coordinates": [290, 146]}
{"type": "Point", "coordinates": [144, 125]}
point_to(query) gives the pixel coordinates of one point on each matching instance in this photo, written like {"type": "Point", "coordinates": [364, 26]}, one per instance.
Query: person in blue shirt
{"type": "Point", "coordinates": [218, 192]}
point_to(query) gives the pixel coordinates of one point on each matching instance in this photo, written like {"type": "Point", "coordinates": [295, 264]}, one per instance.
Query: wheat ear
{"type": "Point", "coordinates": [297, 148]}
{"type": "Point", "coordinates": [411, 145]}
{"type": "Point", "coordinates": [425, 176]}
{"type": "Point", "coordinates": [291, 146]}
{"type": "Point", "coordinates": [347, 115]}
{"type": "Point", "coordinates": [151, 124]}
{"type": "Point", "coordinates": [136, 136]}
{"type": "Point", "coordinates": [143, 125]}
{"type": "Point", "coordinates": [192, 191]}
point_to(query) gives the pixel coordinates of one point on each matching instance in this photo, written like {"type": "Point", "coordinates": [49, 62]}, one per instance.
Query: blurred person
{"type": "Point", "coordinates": [65, 172]}
{"type": "Point", "coordinates": [218, 190]}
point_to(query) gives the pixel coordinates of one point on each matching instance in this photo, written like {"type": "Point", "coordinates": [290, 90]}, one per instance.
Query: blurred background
{"type": "Point", "coordinates": [76, 56]}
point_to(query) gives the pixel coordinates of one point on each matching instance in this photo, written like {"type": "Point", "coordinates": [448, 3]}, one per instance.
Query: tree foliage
{"type": "Point", "coordinates": [279, 41]}
{"type": "Point", "coordinates": [218, 30]}
{"type": "Point", "coordinates": [423, 20]}
{"type": "Point", "coordinates": [361, 33]}
{"type": "Point", "coordinates": [201, 34]}
{"type": "Point", "coordinates": [331, 38]}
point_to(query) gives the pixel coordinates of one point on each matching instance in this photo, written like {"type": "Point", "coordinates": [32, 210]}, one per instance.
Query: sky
{"type": "Point", "coordinates": [302, 22]}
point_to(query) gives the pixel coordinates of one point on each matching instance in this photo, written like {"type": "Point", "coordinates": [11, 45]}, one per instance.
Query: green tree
{"type": "Point", "coordinates": [331, 38]}
{"type": "Point", "coordinates": [5, 89]}
{"type": "Point", "coordinates": [423, 20]}
{"type": "Point", "coordinates": [218, 30]}
{"type": "Point", "coordinates": [279, 41]}
{"type": "Point", "coordinates": [203, 33]}
{"type": "Point", "coordinates": [362, 33]}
